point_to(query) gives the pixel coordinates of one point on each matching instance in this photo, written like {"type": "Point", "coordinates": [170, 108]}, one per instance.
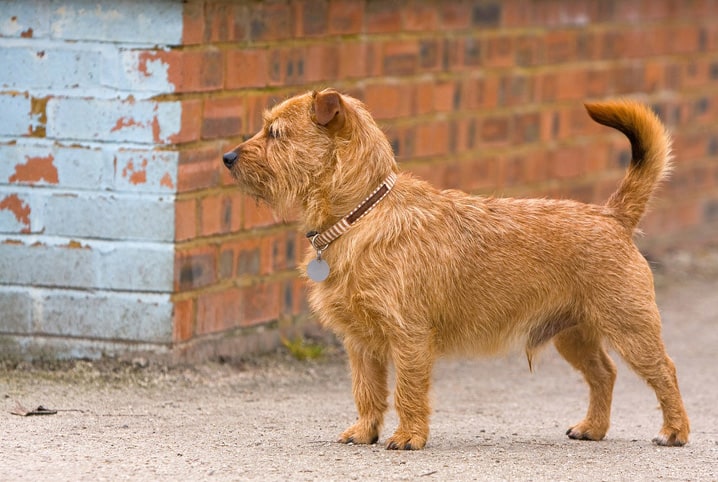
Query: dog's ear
{"type": "Point", "coordinates": [329, 109]}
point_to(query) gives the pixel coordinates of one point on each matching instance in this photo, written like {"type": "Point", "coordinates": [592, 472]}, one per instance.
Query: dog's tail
{"type": "Point", "coordinates": [650, 160]}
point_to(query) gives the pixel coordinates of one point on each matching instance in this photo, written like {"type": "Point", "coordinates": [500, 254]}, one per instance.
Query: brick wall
{"type": "Point", "coordinates": [119, 228]}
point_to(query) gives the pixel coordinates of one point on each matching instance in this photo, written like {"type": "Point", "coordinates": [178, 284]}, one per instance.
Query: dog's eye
{"type": "Point", "coordinates": [272, 133]}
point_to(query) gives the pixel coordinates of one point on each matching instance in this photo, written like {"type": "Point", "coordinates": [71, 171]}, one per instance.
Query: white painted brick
{"type": "Point", "coordinates": [15, 118]}
{"type": "Point", "coordinates": [44, 68]}
{"type": "Point", "coordinates": [136, 71]}
{"type": "Point", "coordinates": [39, 264]}
{"type": "Point", "coordinates": [117, 316]}
{"type": "Point", "coordinates": [146, 171]}
{"type": "Point", "coordinates": [103, 216]}
{"type": "Point", "coordinates": [29, 18]}
{"type": "Point", "coordinates": [140, 267]}
{"type": "Point", "coordinates": [42, 347]}
{"type": "Point", "coordinates": [133, 267]}
{"type": "Point", "coordinates": [77, 167]}
{"type": "Point", "coordinates": [15, 311]}
{"type": "Point", "coordinates": [141, 122]}
{"type": "Point", "coordinates": [150, 21]}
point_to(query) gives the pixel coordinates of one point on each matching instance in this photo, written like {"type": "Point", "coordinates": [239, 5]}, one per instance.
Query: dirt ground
{"type": "Point", "coordinates": [276, 419]}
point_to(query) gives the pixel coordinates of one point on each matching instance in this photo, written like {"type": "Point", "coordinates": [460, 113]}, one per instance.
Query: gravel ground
{"type": "Point", "coordinates": [275, 419]}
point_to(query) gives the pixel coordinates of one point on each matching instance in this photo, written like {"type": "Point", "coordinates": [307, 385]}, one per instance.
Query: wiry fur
{"type": "Point", "coordinates": [429, 273]}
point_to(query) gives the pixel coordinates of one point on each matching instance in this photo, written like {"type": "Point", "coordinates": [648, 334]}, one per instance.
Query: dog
{"type": "Point", "coordinates": [404, 273]}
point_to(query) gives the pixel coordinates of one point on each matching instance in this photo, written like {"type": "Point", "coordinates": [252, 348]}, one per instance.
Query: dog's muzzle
{"type": "Point", "coordinates": [230, 158]}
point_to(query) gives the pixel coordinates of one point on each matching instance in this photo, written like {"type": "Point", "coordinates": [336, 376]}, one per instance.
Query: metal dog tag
{"type": "Point", "coordinates": [318, 270]}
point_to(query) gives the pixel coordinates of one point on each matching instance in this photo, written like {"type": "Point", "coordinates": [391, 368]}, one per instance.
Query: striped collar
{"type": "Point", "coordinates": [320, 241]}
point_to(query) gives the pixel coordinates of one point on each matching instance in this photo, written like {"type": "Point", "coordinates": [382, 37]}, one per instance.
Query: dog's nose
{"type": "Point", "coordinates": [229, 159]}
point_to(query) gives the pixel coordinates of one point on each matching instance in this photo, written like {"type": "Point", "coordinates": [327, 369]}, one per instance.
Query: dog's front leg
{"type": "Point", "coordinates": [370, 387]}
{"type": "Point", "coordinates": [411, 398]}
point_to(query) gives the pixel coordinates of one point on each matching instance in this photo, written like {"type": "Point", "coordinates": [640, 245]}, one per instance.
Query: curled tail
{"type": "Point", "coordinates": [650, 160]}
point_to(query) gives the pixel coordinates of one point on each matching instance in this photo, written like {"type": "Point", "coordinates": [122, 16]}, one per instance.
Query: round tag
{"type": "Point", "coordinates": [317, 270]}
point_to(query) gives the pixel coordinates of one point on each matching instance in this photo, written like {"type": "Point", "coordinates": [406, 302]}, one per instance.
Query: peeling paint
{"type": "Point", "coordinates": [135, 176]}
{"type": "Point", "coordinates": [156, 129]}
{"type": "Point", "coordinates": [76, 245]}
{"type": "Point", "coordinates": [149, 63]}
{"type": "Point", "coordinates": [15, 205]}
{"type": "Point", "coordinates": [123, 122]}
{"type": "Point", "coordinates": [166, 181]}
{"type": "Point", "coordinates": [35, 170]}
{"type": "Point", "coordinates": [38, 115]}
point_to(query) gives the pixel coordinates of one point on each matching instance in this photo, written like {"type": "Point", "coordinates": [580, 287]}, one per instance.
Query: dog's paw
{"type": "Point", "coordinates": [584, 431]}
{"type": "Point", "coordinates": [406, 441]}
{"type": "Point", "coordinates": [670, 438]}
{"type": "Point", "coordinates": [357, 434]}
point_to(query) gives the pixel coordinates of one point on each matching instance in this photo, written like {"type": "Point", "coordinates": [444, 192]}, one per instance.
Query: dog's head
{"type": "Point", "coordinates": [314, 151]}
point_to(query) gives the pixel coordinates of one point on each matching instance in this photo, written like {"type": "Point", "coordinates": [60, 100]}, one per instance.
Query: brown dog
{"type": "Point", "coordinates": [406, 273]}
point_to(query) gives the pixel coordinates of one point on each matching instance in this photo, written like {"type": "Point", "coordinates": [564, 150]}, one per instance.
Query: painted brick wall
{"type": "Point", "coordinates": [87, 176]}
{"type": "Point", "coordinates": [120, 229]}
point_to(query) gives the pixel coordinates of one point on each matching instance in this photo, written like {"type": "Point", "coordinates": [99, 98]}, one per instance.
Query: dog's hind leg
{"type": "Point", "coordinates": [641, 345]}
{"type": "Point", "coordinates": [584, 350]}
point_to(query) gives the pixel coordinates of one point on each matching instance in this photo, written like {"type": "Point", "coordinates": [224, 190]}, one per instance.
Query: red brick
{"type": "Point", "coordinates": [388, 101]}
{"type": "Point", "coordinates": [479, 174]}
{"type": "Point", "coordinates": [193, 23]}
{"type": "Point", "coordinates": [431, 139]}
{"type": "Point", "coordinates": [382, 17]}
{"type": "Point", "coordinates": [455, 15]}
{"type": "Point", "coordinates": [353, 60]}
{"type": "Point", "coordinates": [219, 311]}
{"type": "Point", "coordinates": [203, 70]}
{"type": "Point", "coordinates": [420, 16]}
{"type": "Point", "coordinates": [255, 106]}
{"type": "Point", "coordinates": [561, 46]}
{"type": "Point", "coordinates": [527, 128]}
{"type": "Point", "coordinates": [211, 216]}
{"type": "Point", "coordinates": [220, 214]}
{"type": "Point", "coordinates": [516, 89]}
{"type": "Point", "coordinates": [185, 219]}
{"type": "Point", "coordinates": [400, 57]}
{"type": "Point", "coordinates": [225, 21]}
{"type": "Point", "coordinates": [190, 122]}
{"type": "Point", "coordinates": [423, 98]}
{"type": "Point", "coordinates": [567, 162]}
{"type": "Point", "coordinates": [195, 268]}
{"type": "Point", "coordinates": [262, 303]}
{"type": "Point", "coordinates": [199, 168]}
{"type": "Point", "coordinates": [257, 214]}
{"type": "Point", "coordinates": [499, 51]}
{"type": "Point", "coordinates": [183, 323]}
{"type": "Point", "coordinates": [528, 50]}
{"type": "Point", "coordinates": [320, 63]}
{"type": "Point", "coordinates": [431, 55]}
{"type": "Point", "coordinates": [495, 130]}
{"type": "Point", "coordinates": [247, 68]}
{"type": "Point", "coordinates": [566, 84]}
{"type": "Point", "coordinates": [270, 21]}
{"type": "Point", "coordinates": [222, 117]}
{"type": "Point", "coordinates": [346, 17]}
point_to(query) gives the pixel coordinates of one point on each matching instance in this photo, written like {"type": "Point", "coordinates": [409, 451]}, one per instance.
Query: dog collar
{"type": "Point", "coordinates": [318, 269]}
